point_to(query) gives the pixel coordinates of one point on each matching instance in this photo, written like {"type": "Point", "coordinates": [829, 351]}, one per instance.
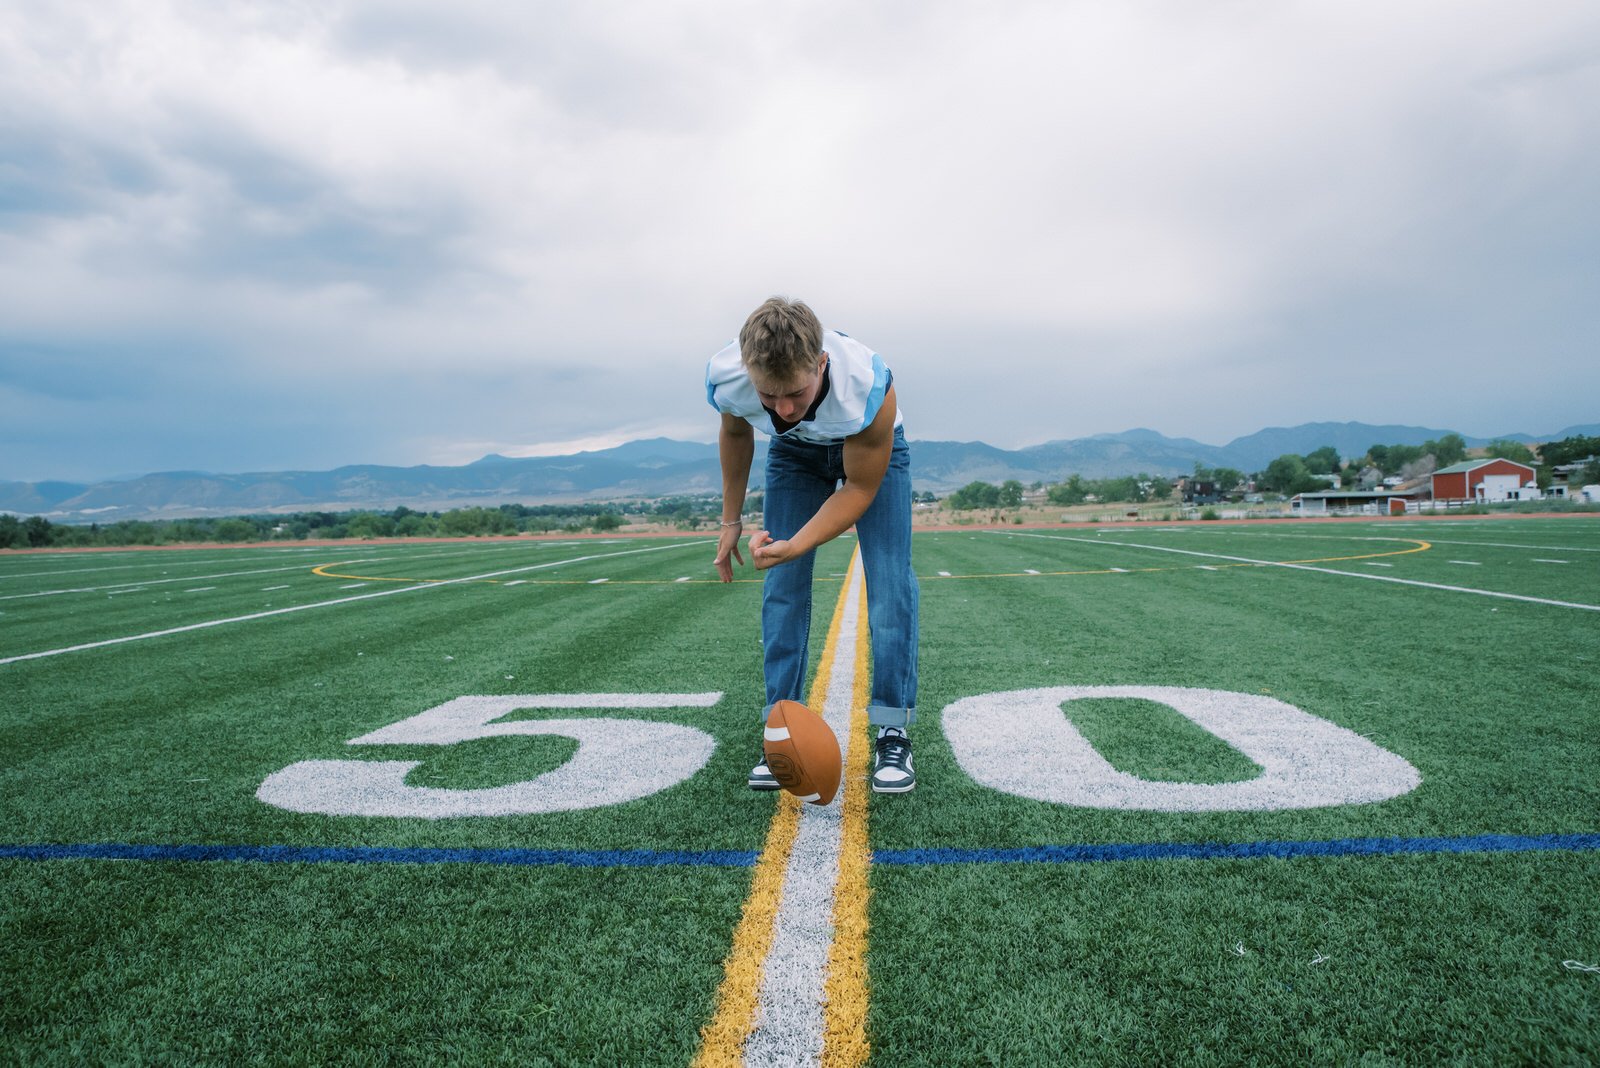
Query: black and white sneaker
{"type": "Point", "coordinates": [891, 767]}
{"type": "Point", "coordinates": [761, 777]}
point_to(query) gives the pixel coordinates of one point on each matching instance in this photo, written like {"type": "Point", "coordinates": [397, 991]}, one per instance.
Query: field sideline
{"type": "Point", "coordinates": [1208, 793]}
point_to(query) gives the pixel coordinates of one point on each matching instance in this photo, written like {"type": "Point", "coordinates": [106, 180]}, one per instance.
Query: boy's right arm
{"type": "Point", "coordinates": [736, 447]}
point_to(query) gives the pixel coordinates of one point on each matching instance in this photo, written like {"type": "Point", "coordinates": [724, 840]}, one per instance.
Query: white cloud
{"type": "Point", "coordinates": [528, 224]}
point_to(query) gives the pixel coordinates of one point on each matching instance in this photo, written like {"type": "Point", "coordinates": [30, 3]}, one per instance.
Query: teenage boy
{"type": "Point", "coordinates": [837, 459]}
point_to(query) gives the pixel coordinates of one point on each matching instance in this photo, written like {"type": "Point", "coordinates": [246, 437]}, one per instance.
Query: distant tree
{"type": "Point", "coordinates": [1160, 489]}
{"type": "Point", "coordinates": [36, 529]}
{"type": "Point", "coordinates": [1011, 493]}
{"type": "Point", "coordinates": [1511, 450]}
{"type": "Point", "coordinates": [1125, 488]}
{"type": "Point", "coordinates": [415, 525]}
{"type": "Point", "coordinates": [370, 525]}
{"type": "Point", "coordinates": [12, 535]}
{"type": "Point", "coordinates": [1288, 474]}
{"type": "Point", "coordinates": [1391, 458]}
{"type": "Point", "coordinates": [605, 522]}
{"type": "Point", "coordinates": [1449, 449]}
{"type": "Point", "coordinates": [1400, 455]}
{"type": "Point", "coordinates": [1226, 478]}
{"type": "Point", "coordinates": [1569, 450]}
{"type": "Point", "coordinates": [65, 535]}
{"type": "Point", "coordinates": [976, 494]}
{"type": "Point", "coordinates": [1323, 461]}
{"type": "Point", "coordinates": [1072, 491]}
{"type": "Point", "coordinates": [234, 530]}
{"type": "Point", "coordinates": [476, 522]}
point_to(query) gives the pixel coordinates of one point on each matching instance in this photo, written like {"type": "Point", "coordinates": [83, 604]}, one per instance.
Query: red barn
{"type": "Point", "coordinates": [1490, 479]}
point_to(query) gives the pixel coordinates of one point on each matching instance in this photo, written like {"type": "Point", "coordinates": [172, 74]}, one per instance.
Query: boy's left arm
{"type": "Point", "coordinates": [866, 458]}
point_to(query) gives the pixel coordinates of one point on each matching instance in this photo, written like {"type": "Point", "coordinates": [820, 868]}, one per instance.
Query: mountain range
{"type": "Point", "coordinates": [660, 467]}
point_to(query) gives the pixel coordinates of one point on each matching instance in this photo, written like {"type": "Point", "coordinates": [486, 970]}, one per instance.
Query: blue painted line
{"type": "Point", "coordinates": [283, 854]}
{"type": "Point", "coordinates": [1339, 847]}
{"type": "Point", "coordinates": [646, 858]}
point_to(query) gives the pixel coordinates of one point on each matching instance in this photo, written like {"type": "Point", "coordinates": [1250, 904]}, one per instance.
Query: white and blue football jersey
{"type": "Point", "coordinates": [858, 379]}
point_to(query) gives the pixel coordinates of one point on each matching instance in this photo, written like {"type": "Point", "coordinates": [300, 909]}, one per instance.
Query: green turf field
{"type": "Point", "coordinates": [155, 907]}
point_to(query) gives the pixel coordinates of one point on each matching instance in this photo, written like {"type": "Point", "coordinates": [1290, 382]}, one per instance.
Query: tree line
{"type": "Point", "coordinates": [684, 512]}
{"type": "Point", "coordinates": [1292, 473]}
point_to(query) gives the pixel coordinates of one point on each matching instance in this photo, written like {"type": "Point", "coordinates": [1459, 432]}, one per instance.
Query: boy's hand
{"type": "Point", "coordinates": [765, 553]}
{"type": "Point", "coordinates": [728, 545]}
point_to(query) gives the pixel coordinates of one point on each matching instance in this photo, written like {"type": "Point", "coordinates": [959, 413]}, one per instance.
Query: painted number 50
{"type": "Point", "coordinates": [1019, 742]}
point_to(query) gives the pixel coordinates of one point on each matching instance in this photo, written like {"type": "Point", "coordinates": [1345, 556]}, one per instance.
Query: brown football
{"type": "Point", "coordinates": [802, 752]}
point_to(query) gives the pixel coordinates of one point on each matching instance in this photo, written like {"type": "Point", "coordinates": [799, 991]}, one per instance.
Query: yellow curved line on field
{"type": "Point", "coordinates": [323, 571]}
{"type": "Point", "coordinates": [1421, 546]}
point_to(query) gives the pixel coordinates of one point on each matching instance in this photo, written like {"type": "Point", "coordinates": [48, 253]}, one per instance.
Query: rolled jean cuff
{"type": "Point", "coordinates": [890, 716]}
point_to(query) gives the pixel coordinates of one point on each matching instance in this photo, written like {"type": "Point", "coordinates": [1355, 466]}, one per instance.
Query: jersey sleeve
{"type": "Point", "coordinates": [882, 379]}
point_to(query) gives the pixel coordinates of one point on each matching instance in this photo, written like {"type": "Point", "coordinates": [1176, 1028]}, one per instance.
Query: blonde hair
{"type": "Point", "coordinates": [782, 340]}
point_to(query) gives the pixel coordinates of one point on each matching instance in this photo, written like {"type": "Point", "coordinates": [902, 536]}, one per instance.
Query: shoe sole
{"type": "Point", "coordinates": [763, 787]}
{"type": "Point", "coordinates": [906, 789]}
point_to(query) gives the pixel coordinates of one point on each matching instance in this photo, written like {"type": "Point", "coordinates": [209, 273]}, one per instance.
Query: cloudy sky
{"type": "Point", "coordinates": [240, 236]}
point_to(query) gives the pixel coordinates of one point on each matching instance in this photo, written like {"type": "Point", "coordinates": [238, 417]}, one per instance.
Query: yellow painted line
{"type": "Point", "coordinates": [325, 573]}
{"type": "Point", "coordinates": [844, 1040]}
{"type": "Point", "coordinates": [1418, 546]}
{"type": "Point", "coordinates": [722, 1039]}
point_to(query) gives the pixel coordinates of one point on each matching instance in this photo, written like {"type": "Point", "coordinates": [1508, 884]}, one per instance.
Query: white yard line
{"type": "Point", "coordinates": [1466, 563]}
{"type": "Point", "coordinates": [790, 1022]}
{"type": "Point", "coordinates": [114, 567]}
{"type": "Point", "coordinates": [399, 554]}
{"type": "Point", "coordinates": [154, 582]}
{"type": "Point", "coordinates": [339, 600]}
{"type": "Point", "coordinates": [1539, 560]}
{"type": "Point", "coordinates": [1322, 570]}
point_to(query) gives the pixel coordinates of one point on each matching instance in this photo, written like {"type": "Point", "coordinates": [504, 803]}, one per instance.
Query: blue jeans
{"type": "Point", "coordinates": [800, 477]}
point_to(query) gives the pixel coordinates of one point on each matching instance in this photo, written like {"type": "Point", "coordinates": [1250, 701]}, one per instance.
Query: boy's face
{"type": "Point", "coordinates": [790, 400]}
